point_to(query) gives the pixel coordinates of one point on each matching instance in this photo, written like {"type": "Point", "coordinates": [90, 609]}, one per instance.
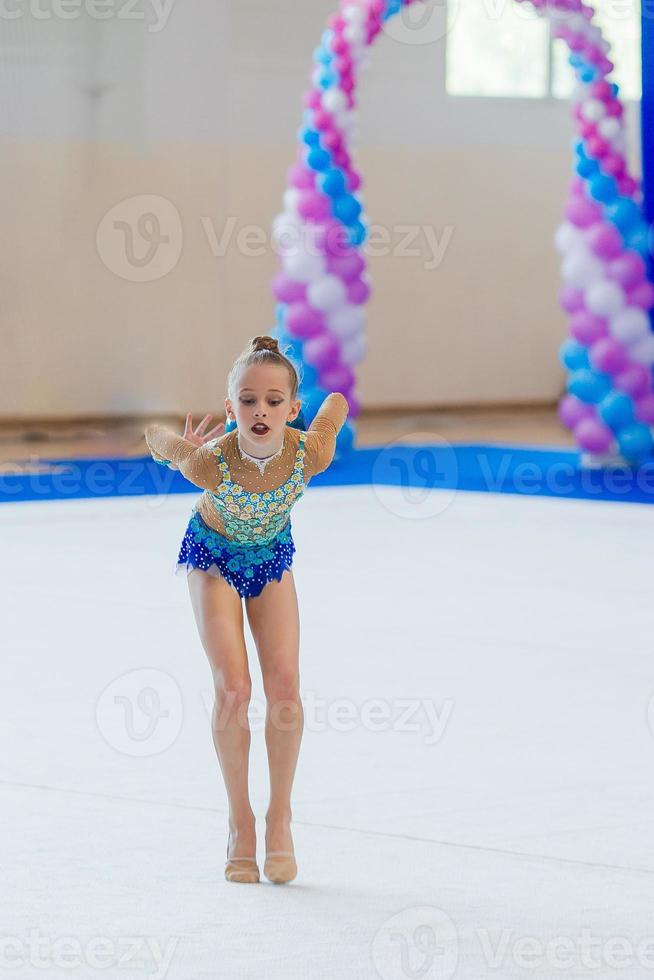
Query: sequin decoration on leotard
{"type": "Point", "coordinates": [257, 518]}
{"type": "Point", "coordinates": [247, 567]}
{"type": "Point", "coordinates": [259, 546]}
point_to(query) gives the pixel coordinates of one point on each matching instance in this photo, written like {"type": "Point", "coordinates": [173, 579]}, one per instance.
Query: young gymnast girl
{"type": "Point", "coordinates": [238, 546]}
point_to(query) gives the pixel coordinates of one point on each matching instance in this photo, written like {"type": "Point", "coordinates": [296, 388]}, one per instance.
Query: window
{"type": "Point", "coordinates": [501, 48]}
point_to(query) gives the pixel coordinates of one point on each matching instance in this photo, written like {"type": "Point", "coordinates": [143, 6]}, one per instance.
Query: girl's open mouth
{"type": "Point", "coordinates": [260, 429]}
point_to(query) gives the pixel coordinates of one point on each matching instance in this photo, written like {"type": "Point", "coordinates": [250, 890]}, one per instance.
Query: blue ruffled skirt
{"type": "Point", "coordinates": [248, 567]}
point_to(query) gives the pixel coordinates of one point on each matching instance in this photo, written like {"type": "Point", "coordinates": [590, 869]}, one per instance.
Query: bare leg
{"type": "Point", "coordinates": [219, 616]}
{"type": "Point", "coordinates": [274, 620]}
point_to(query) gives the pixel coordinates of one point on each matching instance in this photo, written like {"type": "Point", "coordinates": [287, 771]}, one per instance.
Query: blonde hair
{"type": "Point", "coordinates": [262, 349]}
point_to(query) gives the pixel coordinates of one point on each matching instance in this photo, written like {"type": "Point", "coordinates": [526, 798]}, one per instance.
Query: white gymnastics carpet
{"type": "Point", "coordinates": [474, 797]}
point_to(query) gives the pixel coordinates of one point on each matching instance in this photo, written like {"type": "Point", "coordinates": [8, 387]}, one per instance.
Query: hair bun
{"type": "Point", "coordinates": [265, 342]}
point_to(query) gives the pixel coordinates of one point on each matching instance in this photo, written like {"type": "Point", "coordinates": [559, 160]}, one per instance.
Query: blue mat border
{"type": "Point", "coordinates": [480, 467]}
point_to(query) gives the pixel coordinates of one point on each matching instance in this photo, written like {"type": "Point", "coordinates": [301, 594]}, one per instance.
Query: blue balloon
{"type": "Point", "coordinates": [345, 439]}
{"type": "Point", "coordinates": [573, 355]}
{"type": "Point", "coordinates": [616, 409]}
{"type": "Point", "coordinates": [635, 441]}
{"type": "Point", "coordinates": [357, 233]}
{"type": "Point", "coordinates": [640, 240]}
{"type": "Point", "coordinates": [328, 79]}
{"type": "Point", "coordinates": [624, 213]}
{"type": "Point", "coordinates": [333, 182]}
{"type": "Point", "coordinates": [322, 56]}
{"type": "Point", "coordinates": [312, 399]}
{"type": "Point", "coordinates": [603, 188]}
{"type": "Point", "coordinates": [589, 386]}
{"type": "Point", "coordinates": [588, 75]}
{"type": "Point", "coordinates": [318, 159]}
{"type": "Point", "coordinates": [575, 60]}
{"type": "Point", "coordinates": [310, 136]}
{"type": "Point", "coordinates": [346, 208]}
{"type": "Point", "coordinates": [587, 168]}
{"type": "Point", "coordinates": [394, 6]}
{"type": "Point", "coordinates": [308, 375]}
{"type": "Point", "coordinates": [615, 88]}
{"type": "Point", "coordinates": [280, 314]}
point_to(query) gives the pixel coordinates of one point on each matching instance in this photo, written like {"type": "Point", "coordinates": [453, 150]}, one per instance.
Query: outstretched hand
{"type": "Point", "coordinates": [198, 436]}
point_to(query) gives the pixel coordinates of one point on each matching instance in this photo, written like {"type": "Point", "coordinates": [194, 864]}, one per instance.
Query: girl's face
{"type": "Point", "coordinates": [262, 407]}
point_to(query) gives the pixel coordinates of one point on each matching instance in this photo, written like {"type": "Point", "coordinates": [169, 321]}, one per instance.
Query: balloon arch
{"type": "Point", "coordinates": [322, 288]}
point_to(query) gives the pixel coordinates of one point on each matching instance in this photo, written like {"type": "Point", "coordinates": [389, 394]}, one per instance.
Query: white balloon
{"type": "Point", "coordinates": [355, 34]}
{"type": "Point", "coordinates": [629, 325]}
{"type": "Point", "coordinates": [609, 127]}
{"type": "Point", "coordinates": [643, 350]}
{"type": "Point", "coordinates": [580, 269]}
{"type": "Point", "coordinates": [334, 100]}
{"type": "Point", "coordinates": [286, 231]}
{"type": "Point", "coordinates": [291, 197]}
{"type": "Point", "coordinates": [354, 349]}
{"type": "Point", "coordinates": [328, 293]}
{"type": "Point", "coordinates": [302, 267]}
{"type": "Point", "coordinates": [347, 321]}
{"type": "Point", "coordinates": [354, 14]}
{"type": "Point", "coordinates": [604, 298]}
{"type": "Point", "coordinates": [593, 110]}
{"type": "Point", "coordinates": [568, 237]}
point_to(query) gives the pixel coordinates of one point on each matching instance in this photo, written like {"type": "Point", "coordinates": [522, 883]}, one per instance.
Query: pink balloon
{"type": "Point", "coordinates": [645, 408]}
{"type": "Point", "coordinates": [634, 380]}
{"type": "Point", "coordinates": [337, 23]}
{"type": "Point", "coordinates": [301, 176]}
{"type": "Point", "coordinates": [346, 83]}
{"type": "Point", "coordinates": [313, 206]}
{"type": "Point", "coordinates": [614, 164]}
{"type": "Point", "coordinates": [605, 240]}
{"type": "Point", "coordinates": [347, 266]}
{"type": "Point", "coordinates": [353, 179]}
{"type": "Point", "coordinates": [358, 291]}
{"type": "Point", "coordinates": [598, 147]}
{"type": "Point", "coordinates": [339, 45]}
{"type": "Point", "coordinates": [587, 129]}
{"type": "Point", "coordinates": [609, 355]}
{"type": "Point", "coordinates": [323, 120]}
{"type": "Point", "coordinates": [322, 352]}
{"type": "Point", "coordinates": [577, 186]}
{"type": "Point", "coordinates": [571, 299]}
{"type": "Point", "coordinates": [614, 109]}
{"type": "Point", "coordinates": [332, 139]}
{"type": "Point", "coordinates": [354, 404]}
{"type": "Point", "coordinates": [601, 90]}
{"type": "Point", "coordinates": [587, 328]}
{"type": "Point", "coordinates": [572, 410]}
{"type": "Point", "coordinates": [312, 99]}
{"type": "Point", "coordinates": [629, 269]}
{"type": "Point", "coordinates": [337, 378]}
{"type": "Point", "coordinates": [288, 290]}
{"type": "Point", "coordinates": [627, 186]}
{"type": "Point", "coordinates": [304, 322]}
{"type": "Point", "coordinates": [641, 296]}
{"type": "Point", "coordinates": [593, 436]}
{"type": "Point", "coordinates": [332, 238]}
{"type": "Point", "coordinates": [583, 212]}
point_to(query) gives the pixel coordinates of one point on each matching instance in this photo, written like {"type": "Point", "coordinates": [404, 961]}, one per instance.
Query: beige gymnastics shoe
{"type": "Point", "coordinates": [242, 869]}
{"type": "Point", "coordinates": [280, 866]}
